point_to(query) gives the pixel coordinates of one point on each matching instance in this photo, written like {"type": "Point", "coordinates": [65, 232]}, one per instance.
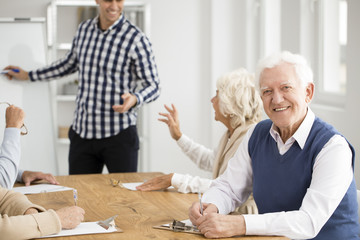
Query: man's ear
{"type": "Point", "coordinates": [309, 91]}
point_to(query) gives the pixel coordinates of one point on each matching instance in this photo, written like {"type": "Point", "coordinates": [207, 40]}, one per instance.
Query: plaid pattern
{"type": "Point", "coordinates": [109, 63]}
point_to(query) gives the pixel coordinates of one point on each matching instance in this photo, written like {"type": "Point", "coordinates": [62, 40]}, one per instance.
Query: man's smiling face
{"type": "Point", "coordinates": [284, 97]}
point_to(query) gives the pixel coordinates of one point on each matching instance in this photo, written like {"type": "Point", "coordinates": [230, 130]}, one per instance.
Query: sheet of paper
{"type": "Point", "coordinates": [132, 186]}
{"type": "Point", "coordinates": [40, 188]}
{"type": "Point", "coordinates": [83, 228]}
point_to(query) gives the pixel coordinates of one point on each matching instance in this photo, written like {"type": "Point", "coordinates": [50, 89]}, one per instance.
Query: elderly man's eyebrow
{"type": "Point", "coordinates": [286, 83]}
{"type": "Point", "coordinates": [283, 83]}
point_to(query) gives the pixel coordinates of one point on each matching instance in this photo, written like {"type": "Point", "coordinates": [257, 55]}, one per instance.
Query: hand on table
{"type": "Point", "coordinates": [29, 176]}
{"type": "Point", "coordinates": [157, 183]}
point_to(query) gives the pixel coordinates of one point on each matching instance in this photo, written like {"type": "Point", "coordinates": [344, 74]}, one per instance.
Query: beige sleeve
{"type": "Point", "coordinates": [15, 225]}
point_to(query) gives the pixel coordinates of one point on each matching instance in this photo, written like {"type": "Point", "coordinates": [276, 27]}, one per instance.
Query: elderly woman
{"type": "Point", "coordinates": [237, 105]}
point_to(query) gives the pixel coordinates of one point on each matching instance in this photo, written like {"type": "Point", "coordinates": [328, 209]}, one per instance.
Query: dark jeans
{"type": "Point", "coordinates": [119, 153]}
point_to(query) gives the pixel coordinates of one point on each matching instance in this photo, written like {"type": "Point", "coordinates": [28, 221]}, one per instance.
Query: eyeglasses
{"type": "Point", "coordinates": [24, 129]}
{"type": "Point", "coordinates": [115, 183]}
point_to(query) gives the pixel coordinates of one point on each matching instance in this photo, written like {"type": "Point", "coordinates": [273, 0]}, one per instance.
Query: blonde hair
{"type": "Point", "coordinates": [239, 98]}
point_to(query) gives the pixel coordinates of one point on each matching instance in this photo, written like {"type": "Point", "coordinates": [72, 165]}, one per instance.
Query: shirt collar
{"type": "Point", "coordinates": [119, 21]}
{"type": "Point", "coordinates": [301, 133]}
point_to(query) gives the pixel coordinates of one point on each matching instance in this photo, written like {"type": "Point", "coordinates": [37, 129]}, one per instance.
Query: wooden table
{"type": "Point", "coordinates": [138, 211]}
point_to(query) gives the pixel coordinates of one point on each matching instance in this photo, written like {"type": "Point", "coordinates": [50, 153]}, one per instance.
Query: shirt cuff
{"type": "Point", "coordinates": [176, 180]}
{"type": "Point", "coordinates": [13, 132]}
{"type": "Point", "coordinates": [48, 222]}
{"type": "Point", "coordinates": [139, 100]}
{"type": "Point", "coordinates": [182, 141]}
{"type": "Point", "coordinates": [31, 76]}
{"type": "Point", "coordinates": [255, 224]}
{"type": "Point", "coordinates": [19, 176]}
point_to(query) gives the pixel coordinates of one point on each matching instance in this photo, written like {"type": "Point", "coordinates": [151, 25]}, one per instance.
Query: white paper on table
{"type": "Point", "coordinates": [132, 186]}
{"type": "Point", "coordinates": [83, 228]}
{"type": "Point", "coordinates": [40, 188]}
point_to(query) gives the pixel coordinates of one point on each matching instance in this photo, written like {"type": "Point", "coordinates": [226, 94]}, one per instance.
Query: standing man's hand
{"type": "Point", "coordinates": [14, 117]}
{"type": "Point", "coordinates": [21, 75]}
{"type": "Point", "coordinates": [172, 120]}
{"type": "Point", "coordinates": [29, 176]}
{"type": "Point", "coordinates": [130, 101]}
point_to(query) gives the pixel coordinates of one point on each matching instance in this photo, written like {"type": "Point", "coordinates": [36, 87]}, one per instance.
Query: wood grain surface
{"type": "Point", "coordinates": [137, 211]}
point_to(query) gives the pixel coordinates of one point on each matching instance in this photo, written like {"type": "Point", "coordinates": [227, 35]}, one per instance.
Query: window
{"type": "Point", "coordinates": [331, 50]}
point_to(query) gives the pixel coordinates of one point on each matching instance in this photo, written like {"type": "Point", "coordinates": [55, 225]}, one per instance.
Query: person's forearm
{"type": "Point", "coordinates": [187, 183]}
{"type": "Point", "coordinates": [32, 226]}
{"type": "Point", "coordinates": [203, 157]}
{"type": "Point", "coordinates": [10, 157]}
{"type": "Point", "coordinates": [59, 68]}
{"type": "Point", "coordinates": [147, 70]}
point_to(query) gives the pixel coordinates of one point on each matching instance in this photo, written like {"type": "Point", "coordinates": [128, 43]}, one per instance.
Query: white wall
{"type": "Point", "coordinates": [37, 153]}
{"type": "Point", "coordinates": [194, 43]}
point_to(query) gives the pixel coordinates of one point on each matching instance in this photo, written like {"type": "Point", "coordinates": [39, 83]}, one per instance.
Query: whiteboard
{"type": "Point", "coordinates": [23, 43]}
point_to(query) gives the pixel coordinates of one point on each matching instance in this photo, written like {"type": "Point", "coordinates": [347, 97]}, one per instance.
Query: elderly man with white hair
{"type": "Point", "coordinates": [299, 168]}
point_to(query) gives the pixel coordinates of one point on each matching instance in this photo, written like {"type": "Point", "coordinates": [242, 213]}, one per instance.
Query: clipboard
{"type": "Point", "coordinates": [179, 226]}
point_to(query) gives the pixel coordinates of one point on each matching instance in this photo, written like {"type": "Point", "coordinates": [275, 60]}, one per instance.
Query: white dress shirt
{"type": "Point", "coordinates": [331, 178]}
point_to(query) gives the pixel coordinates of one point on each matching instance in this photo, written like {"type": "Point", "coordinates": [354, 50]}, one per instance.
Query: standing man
{"type": "Point", "coordinates": [300, 169]}
{"type": "Point", "coordinates": [113, 58]}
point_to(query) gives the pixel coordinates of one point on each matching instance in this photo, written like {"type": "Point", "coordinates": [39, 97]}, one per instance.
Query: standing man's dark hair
{"type": "Point", "coordinates": [112, 57]}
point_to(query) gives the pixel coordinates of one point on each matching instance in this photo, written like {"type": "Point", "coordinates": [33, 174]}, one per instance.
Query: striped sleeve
{"type": "Point", "coordinates": [146, 71]}
{"type": "Point", "coordinates": [62, 67]}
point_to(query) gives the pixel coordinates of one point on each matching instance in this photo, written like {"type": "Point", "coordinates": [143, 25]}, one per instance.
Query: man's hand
{"type": "Point", "coordinates": [214, 225]}
{"type": "Point", "coordinates": [14, 117]}
{"type": "Point", "coordinates": [195, 211]}
{"type": "Point", "coordinates": [21, 75]}
{"type": "Point", "coordinates": [157, 183]}
{"type": "Point", "coordinates": [70, 217]}
{"type": "Point", "coordinates": [130, 101]}
{"type": "Point", "coordinates": [172, 120]}
{"type": "Point", "coordinates": [29, 176]}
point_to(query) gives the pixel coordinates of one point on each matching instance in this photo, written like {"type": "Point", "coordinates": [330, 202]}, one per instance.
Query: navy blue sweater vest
{"type": "Point", "coordinates": [280, 182]}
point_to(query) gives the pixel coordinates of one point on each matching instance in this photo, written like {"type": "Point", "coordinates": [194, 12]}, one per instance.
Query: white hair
{"type": "Point", "coordinates": [239, 98]}
{"type": "Point", "coordinates": [301, 66]}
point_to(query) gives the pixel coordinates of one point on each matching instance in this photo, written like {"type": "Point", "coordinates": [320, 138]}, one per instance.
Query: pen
{"type": "Point", "coordinates": [6, 71]}
{"type": "Point", "coordinates": [75, 196]}
{"type": "Point", "coordinates": [201, 206]}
